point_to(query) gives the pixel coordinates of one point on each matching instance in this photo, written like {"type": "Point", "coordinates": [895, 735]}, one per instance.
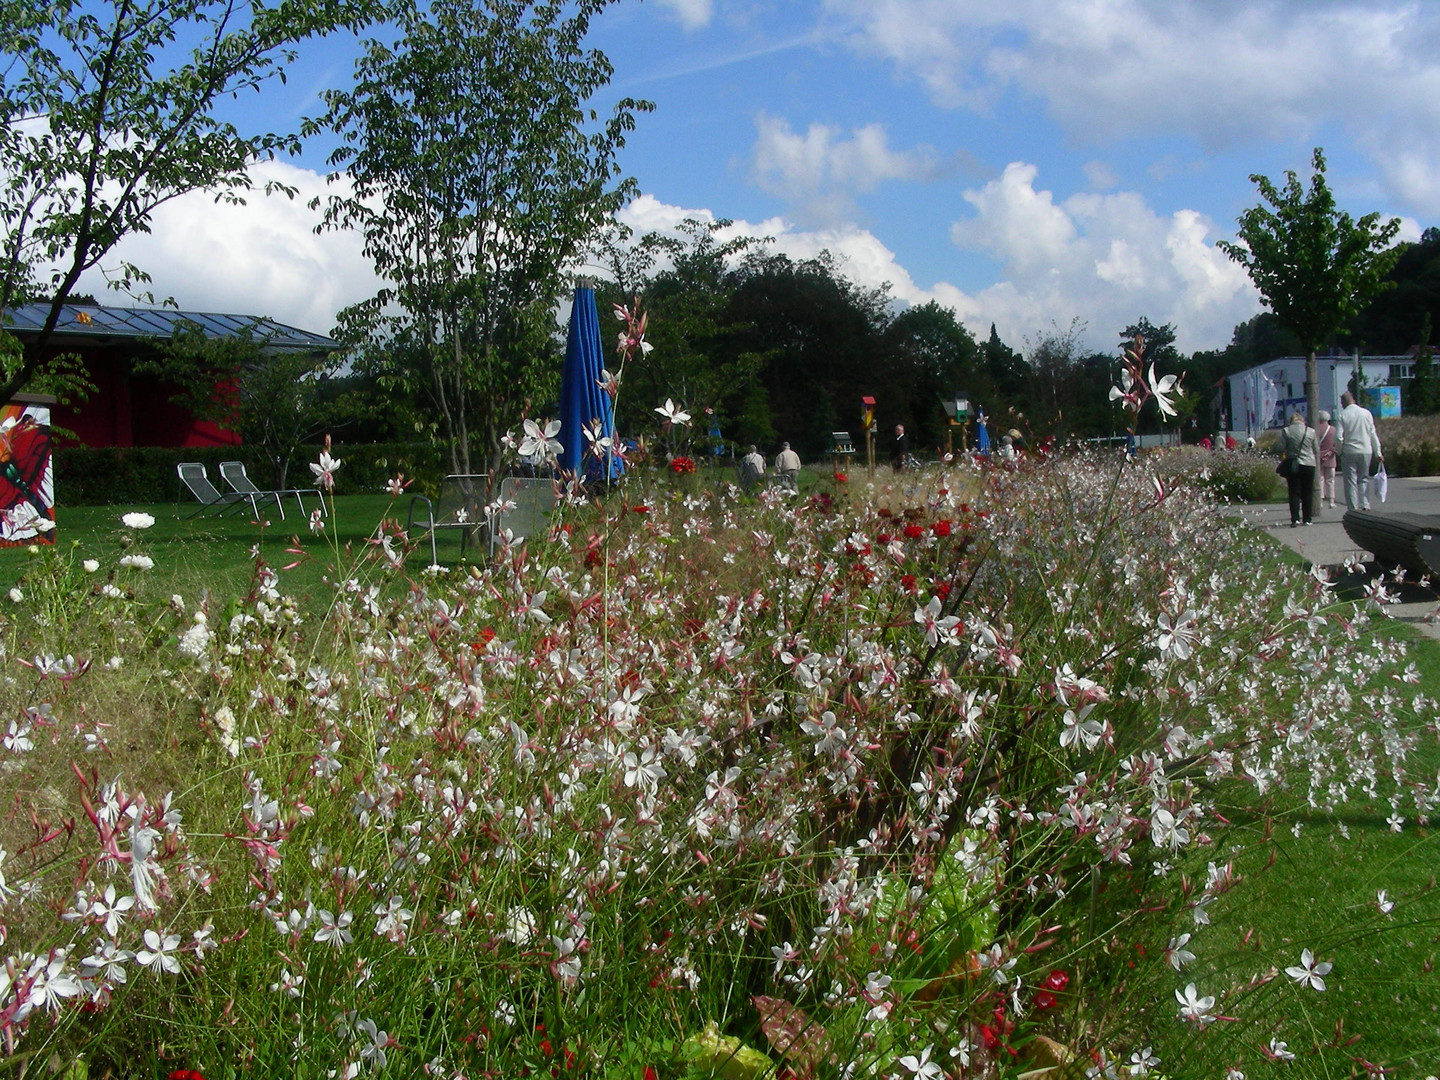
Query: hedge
{"type": "Point", "coordinates": [130, 475]}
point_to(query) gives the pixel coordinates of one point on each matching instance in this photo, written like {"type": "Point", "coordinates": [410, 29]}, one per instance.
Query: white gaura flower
{"type": "Point", "coordinates": [937, 628]}
{"type": "Point", "coordinates": [1176, 952]}
{"type": "Point", "coordinates": [1193, 1007]}
{"type": "Point", "coordinates": [1142, 1061]}
{"type": "Point", "coordinates": [540, 444]}
{"type": "Point", "coordinates": [137, 520]}
{"type": "Point", "coordinates": [922, 1067]}
{"type": "Point", "coordinates": [1308, 972]}
{"type": "Point", "coordinates": [1161, 389]}
{"type": "Point", "coordinates": [1384, 903]}
{"type": "Point", "coordinates": [334, 930]}
{"type": "Point", "coordinates": [324, 469]}
{"type": "Point", "coordinates": [673, 413]}
{"type": "Point", "coordinates": [160, 952]}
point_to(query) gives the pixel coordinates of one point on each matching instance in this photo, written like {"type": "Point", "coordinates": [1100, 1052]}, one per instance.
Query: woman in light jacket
{"type": "Point", "coordinates": [1328, 458]}
{"type": "Point", "coordinates": [1298, 443]}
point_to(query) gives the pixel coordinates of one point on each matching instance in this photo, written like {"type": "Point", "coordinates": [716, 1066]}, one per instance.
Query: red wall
{"type": "Point", "coordinates": [133, 410]}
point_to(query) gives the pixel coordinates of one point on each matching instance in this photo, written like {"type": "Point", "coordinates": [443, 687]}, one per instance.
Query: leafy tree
{"type": "Point", "coordinates": [933, 356]}
{"type": "Point", "coordinates": [1394, 321]}
{"type": "Point", "coordinates": [1313, 264]}
{"type": "Point", "coordinates": [1009, 373]}
{"type": "Point", "coordinates": [479, 172]}
{"type": "Point", "coordinates": [107, 112]}
{"type": "Point", "coordinates": [696, 359]}
{"type": "Point", "coordinates": [820, 337]}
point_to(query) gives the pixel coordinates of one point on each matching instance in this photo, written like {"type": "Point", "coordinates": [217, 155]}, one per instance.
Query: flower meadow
{"type": "Point", "coordinates": [963, 775]}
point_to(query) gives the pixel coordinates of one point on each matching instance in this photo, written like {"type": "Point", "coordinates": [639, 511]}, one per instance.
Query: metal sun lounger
{"type": "Point", "coordinates": [197, 481]}
{"type": "Point", "coordinates": [234, 474]}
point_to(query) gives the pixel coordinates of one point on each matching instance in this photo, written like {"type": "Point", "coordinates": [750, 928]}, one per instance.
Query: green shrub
{"type": "Point", "coordinates": [1230, 476]}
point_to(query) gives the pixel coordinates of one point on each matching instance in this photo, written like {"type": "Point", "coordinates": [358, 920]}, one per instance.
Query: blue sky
{"type": "Point", "coordinates": [1025, 163]}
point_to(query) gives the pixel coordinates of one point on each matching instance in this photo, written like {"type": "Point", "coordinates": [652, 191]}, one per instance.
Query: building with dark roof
{"type": "Point", "coordinates": [131, 408]}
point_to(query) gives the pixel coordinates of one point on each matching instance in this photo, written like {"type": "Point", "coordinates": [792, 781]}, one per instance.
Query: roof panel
{"type": "Point", "coordinates": [79, 321]}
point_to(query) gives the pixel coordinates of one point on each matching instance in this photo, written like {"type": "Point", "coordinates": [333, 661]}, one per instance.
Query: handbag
{"type": "Point", "coordinates": [1288, 467]}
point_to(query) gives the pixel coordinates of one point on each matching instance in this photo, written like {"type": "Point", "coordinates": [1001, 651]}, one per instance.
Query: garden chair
{"type": "Point", "coordinates": [234, 474]}
{"type": "Point", "coordinates": [461, 506]}
{"type": "Point", "coordinates": [525, 504]}
{"type": "Point", "coordinates": [197, 481]}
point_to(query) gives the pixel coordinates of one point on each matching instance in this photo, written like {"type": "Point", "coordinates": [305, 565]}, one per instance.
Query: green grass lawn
{"type": "Point", "coordinates": [218, 553]}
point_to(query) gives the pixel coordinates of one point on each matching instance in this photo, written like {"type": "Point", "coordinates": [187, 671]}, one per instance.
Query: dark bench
{"type": "Point", "coordinates": [1408, 540]}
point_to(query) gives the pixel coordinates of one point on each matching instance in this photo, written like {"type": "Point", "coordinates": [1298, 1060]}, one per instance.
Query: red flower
{"type": "Point", "coordinates": [185, 1074]}
{"type": "Point", "coordinates": [883, 538]}
{"type": "Point", "coordinates": [914, 532]}
{"type": "Point", "coordinates": [1056, 980]}
{"type": "Point", "coordinates": [841, 478]}
{"type": "Point", "coordinates": [941, 527]}
{"type": "Point", "coordinates": [942, 590]}
{"type": "Point", "coordinates": [1045, 1000]}
{"type": "Point", "coordinates": [642, 509]}
{"type": "Point", "coordinates": [681, 465]}
{"type": "Point", "coordinates": [908, 583]}
{"type": "Point", "coordinates": [649, 1074]}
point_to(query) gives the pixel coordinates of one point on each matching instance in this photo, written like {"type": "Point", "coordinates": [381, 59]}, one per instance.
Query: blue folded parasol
{"type": "Point", "coordinates": [582, 399]}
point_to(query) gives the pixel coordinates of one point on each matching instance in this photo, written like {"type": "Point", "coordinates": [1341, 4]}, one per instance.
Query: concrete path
{"type": "Point", "coordinates": [1326, 544]}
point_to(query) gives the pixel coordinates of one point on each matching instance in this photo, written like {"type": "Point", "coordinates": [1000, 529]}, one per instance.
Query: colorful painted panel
{"type": "Point", "coordinates": [27, 480]}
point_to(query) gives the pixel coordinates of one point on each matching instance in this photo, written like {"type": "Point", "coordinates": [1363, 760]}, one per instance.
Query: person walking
{"type": "Point", "coordinates": [1359, 448]}
{"type": "Point", "coordinates": [752, 468]}
{"type": "Point", "coordinates": [899, 449]}
{"type": "Point", "coordinates": [787, 466]}
{"type": "Point", "coordinates": [1328, 458]}
{"type": "Point", "coordinates": [1298, 443]}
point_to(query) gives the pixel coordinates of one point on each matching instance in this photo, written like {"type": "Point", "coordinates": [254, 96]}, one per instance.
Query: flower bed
{"type": "Point", "coordinates": [913, 785]}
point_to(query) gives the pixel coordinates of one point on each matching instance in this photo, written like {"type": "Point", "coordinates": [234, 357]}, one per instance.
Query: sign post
{"type": "Point", "coordinates": [867, 421]}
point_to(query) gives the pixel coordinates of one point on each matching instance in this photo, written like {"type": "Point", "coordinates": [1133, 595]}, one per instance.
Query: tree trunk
{"type": "Point", "coordinates": [1312, 414]}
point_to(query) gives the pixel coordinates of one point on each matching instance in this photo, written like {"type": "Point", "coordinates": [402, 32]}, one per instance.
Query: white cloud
{"type": "Point", "coordinates": [1108, 259]}
{"type": "Point", "coordinates": [1222, 73]}
{"type": "Point", "coordinates": [693, 14]}
{"type": "Point", "coordinates": [262, 258]}
{"type": "Point", "coordinates": [820, 171]}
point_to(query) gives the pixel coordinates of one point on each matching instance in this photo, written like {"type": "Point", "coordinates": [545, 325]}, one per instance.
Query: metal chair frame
{"type": "Point", "coordinates": [461, 506]}
{"type": "Point", "coordinates": [234, 474]}
{"type": "Point", "coordinates": [196, 480]}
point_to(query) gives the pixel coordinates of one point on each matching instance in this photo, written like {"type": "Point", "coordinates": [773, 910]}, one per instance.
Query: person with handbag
{"type": "Point", "coordinates": [1299, 445]}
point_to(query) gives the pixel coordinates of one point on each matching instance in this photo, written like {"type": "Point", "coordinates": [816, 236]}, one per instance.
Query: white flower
{"type": "Point", "coordinates": [1193, 1007]}
{"type": "Point", "coordinates": [540, 444]}
{"type": "Point", "coordinates": [1308, 972]}
{"type": "Point", "coordinates": [137, 520]}
{"type": "Point", "coordinates": [91, 565]}
{"type": "Point", "coordinates": [1142, 1061]}
{"type": "Point", "coordinates": [334, 930]}
{"type": "Point", "coordinates": [922, 1066]}
{"type": "Point", "coordinates": [1384, 903]}
{"type": "Point", "coordinates": [16, 596]}
{"type": "Point", "coordinates": [1176, 952]}
{"type": "Point", "coordinates": [1161, 389]}
{"type": "Point", "coordinates": [673, 413]}
{"type": "Point", "coordinates": [324, 470]}
{"type": "Point", "coordinates": [139, 562]}
{"type": "Point", "coordinates": [160, 952]}
{"type": "Point", "coordinates": [1280, 1051]}
{"type": "Point", "coordinates": [17, 739]}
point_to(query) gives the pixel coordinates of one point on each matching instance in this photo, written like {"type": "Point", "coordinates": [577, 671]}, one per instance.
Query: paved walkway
{"type": "Point", "coordinates": [1325, 543]}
